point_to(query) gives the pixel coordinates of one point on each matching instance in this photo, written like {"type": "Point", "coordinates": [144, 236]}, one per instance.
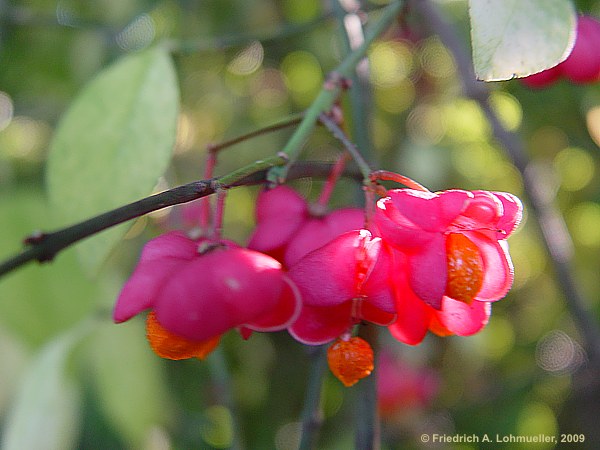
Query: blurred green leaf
{"type": "Point", "coordinates": [113, 144]}
{"type": "Point", "coordinates": [39, 301]}
{"type": "Point", "coordinates": [129, 381]}
{"type": "Point", "coordinates": [15, 358]}
{"type": "Point", "coordinates": [45, 412]}
{"type": "Point", "coordinates": [512, 38]}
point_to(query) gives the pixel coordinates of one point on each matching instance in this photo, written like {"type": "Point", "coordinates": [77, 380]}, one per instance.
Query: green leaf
{"type": "Point", "coordinates": [38, 302]}
{"type": "Point", "coordinates": [113, 144]}
{"type": "Point", "coordinates": [516, 38]}
{"type": "Point", "coordinates": [129, 381]}
{"type": "Point", "coordinates": [45, 412]}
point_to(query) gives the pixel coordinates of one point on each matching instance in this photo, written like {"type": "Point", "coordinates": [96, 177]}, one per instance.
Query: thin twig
{"type": "Point", "coordinates": [43, 247]}
{"type": "Point", "coordinates": [339, 134]}
{"type": "Point", "coordinates": [332, 179]}
{"type": "Point", "coordinates": [367, 424]}
{"type": "Point", "coordinates": [241, 39]}
{"type": "Point", "coordinates": [311, 413]}
{"type": "Point", "coordinates": [222, 382]}
{"type": "Point", "coordinates": [295, 120]}
{"type": "Point", "coordinates": [554, 234]}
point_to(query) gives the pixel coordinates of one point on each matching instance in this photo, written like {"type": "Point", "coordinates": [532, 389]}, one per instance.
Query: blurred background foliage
{"type": "Point", "coordinates": [71, 379]}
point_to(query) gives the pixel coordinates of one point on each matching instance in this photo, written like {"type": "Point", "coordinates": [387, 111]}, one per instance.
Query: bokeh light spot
{"type": "Point", "coordinates": [557, 353]}
{"type": "Point", "coordinates": [332, 397]}
{"type": "Point", "coordinates": [391, 62]}
{"type": "Point", "coordinates": [592, 119]}
{"type": "Point", "coordinates": [248, 60]}
{"type": "Point", "coordinates": [288, 436]}
{"type": "Point", "coordinates": [6, 110]}
{"type": "Point", "coordinates": [473, 161]}
{"type": "Point", "coordinates": [383, 134]}
{"type": "Point", "coordinates": [548, 141]}
{"type": "Point", "coordinates": [508, 109]}
{"type": "Point", "coordinates": [24, 139]}
{"type": "Point", "coordinates": [302, 75]}
{"type": "Point", "coordinates": [302, 11]}
{"type": "Point", "coordinates": [528, 258]}
{"type": "Point", "coordinates": [465, 121]}
{"type": "Point", "coordinates": [397, 98]}
{"type": "Point", "coordinates": [584, 223]}
{"type": "Point", "coordinates": [575, 167]}
{"type": "Point", "coordinates": [435, 59]}
{"type": "Point", "coordinates": [138, 34]}
{"type": "Point", "coordinates": [425, 124]}
{"type": "Point", "coordinates": [186, 134]}
{"type": "Point", "coordinates": [217, 428]}
{"type": "Point", "coordinates": [537, 418]}
{"type": "Point", "coordinates": [268, 89]}
{"type": "Point", "coordinates": [499, 338]}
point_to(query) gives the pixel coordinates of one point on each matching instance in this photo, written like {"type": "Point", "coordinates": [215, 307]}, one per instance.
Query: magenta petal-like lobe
{"type": "Point", "coordinates": [498, 268]}
{"type": "Point", "coordinates": [283, 314]}
{"type": "Point", "coordinates": [321, 324]}
{"type": "Point", "coordinates": [174, 244]}
{"type": "Point", "coordinates": [279, 201]}
{"type": "Point", "coordinates": [327, 276]}
{"type": "Point", "coordinates": [417, 227]}
{"type": "Point", "coordinates": [427, 210]}
{"type": "Point", "coordinates": [396, 229]}
{"type": "Point", "coordinates": [220, 290]}
{"type": "Point", "coordinates": [377, 288]}
{"type": "Point", "coordinates": [413, 316]}
{"type": "Point", "coordinates": [279, 213]}
{"type": "Point", "coordinates": [429, 272]}
{"type": "Point", "coordinates": [160, 258]}
{"type": "Point", "coordinates": [482, 212]}
{"type": "Point", "coordinates": [462, 319]}
{"type": "Point", "coordinates": [364, 310]}
{"type": "Point", "coordinates": [513, 213]}
{"type": "Point", "coordinates": [318, 231]}
{"type": "Point", "coordinates": [412, 321]}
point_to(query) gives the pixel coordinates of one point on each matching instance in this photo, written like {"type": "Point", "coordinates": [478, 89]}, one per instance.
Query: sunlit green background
{"type": "Point", "coordinates": [248, 64]}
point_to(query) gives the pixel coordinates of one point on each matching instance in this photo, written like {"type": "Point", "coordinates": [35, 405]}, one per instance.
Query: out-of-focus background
{"type": "Point", "coordinates": [245, 64]}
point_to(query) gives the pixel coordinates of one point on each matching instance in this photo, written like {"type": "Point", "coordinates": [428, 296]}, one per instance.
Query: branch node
{"type": "Point", "coordinates": [215, 185]}
{"type": "Point", "coordinates": [284, 156]}
{"type": "Point", "coordinates": [211, 147]}
{"type": "Point", "coordinates": [335, 80]}
{"type": "Point", "coordinates": [35, 238]}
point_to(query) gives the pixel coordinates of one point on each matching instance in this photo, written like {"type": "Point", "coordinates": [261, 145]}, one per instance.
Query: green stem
{"type": "Point", "coordinates": [241, 173]}
{"type": "Point", "coordinates": [359, 94]}
{"type": "Point", "coordinates": [331, 91]}
{"type": "Point", "coordinates": [311, 415]}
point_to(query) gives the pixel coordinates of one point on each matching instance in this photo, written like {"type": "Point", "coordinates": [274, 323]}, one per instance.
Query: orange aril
{"type": "Point", "coordinates": [465, 268]}
{"type": "Point", "coordinates": [171, 346]}
{"type": "Point", "coordinates": [350, 360]}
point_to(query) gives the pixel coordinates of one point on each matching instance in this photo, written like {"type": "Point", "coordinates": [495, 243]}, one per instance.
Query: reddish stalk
{"type": "Point", "coordinates": [332, 179]}
{"type": "Point", "coordinates": [205, 212]}
{"type": "Point", "coordinates": [392, 176]}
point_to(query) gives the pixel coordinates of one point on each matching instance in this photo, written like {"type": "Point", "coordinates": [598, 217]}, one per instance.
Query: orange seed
{"type": "Point", "coordinates": [171, 346]}
{"type": "Point", "coordinates": [350, 360]}
{"type": "Point", "coordinates": [465, 268]}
